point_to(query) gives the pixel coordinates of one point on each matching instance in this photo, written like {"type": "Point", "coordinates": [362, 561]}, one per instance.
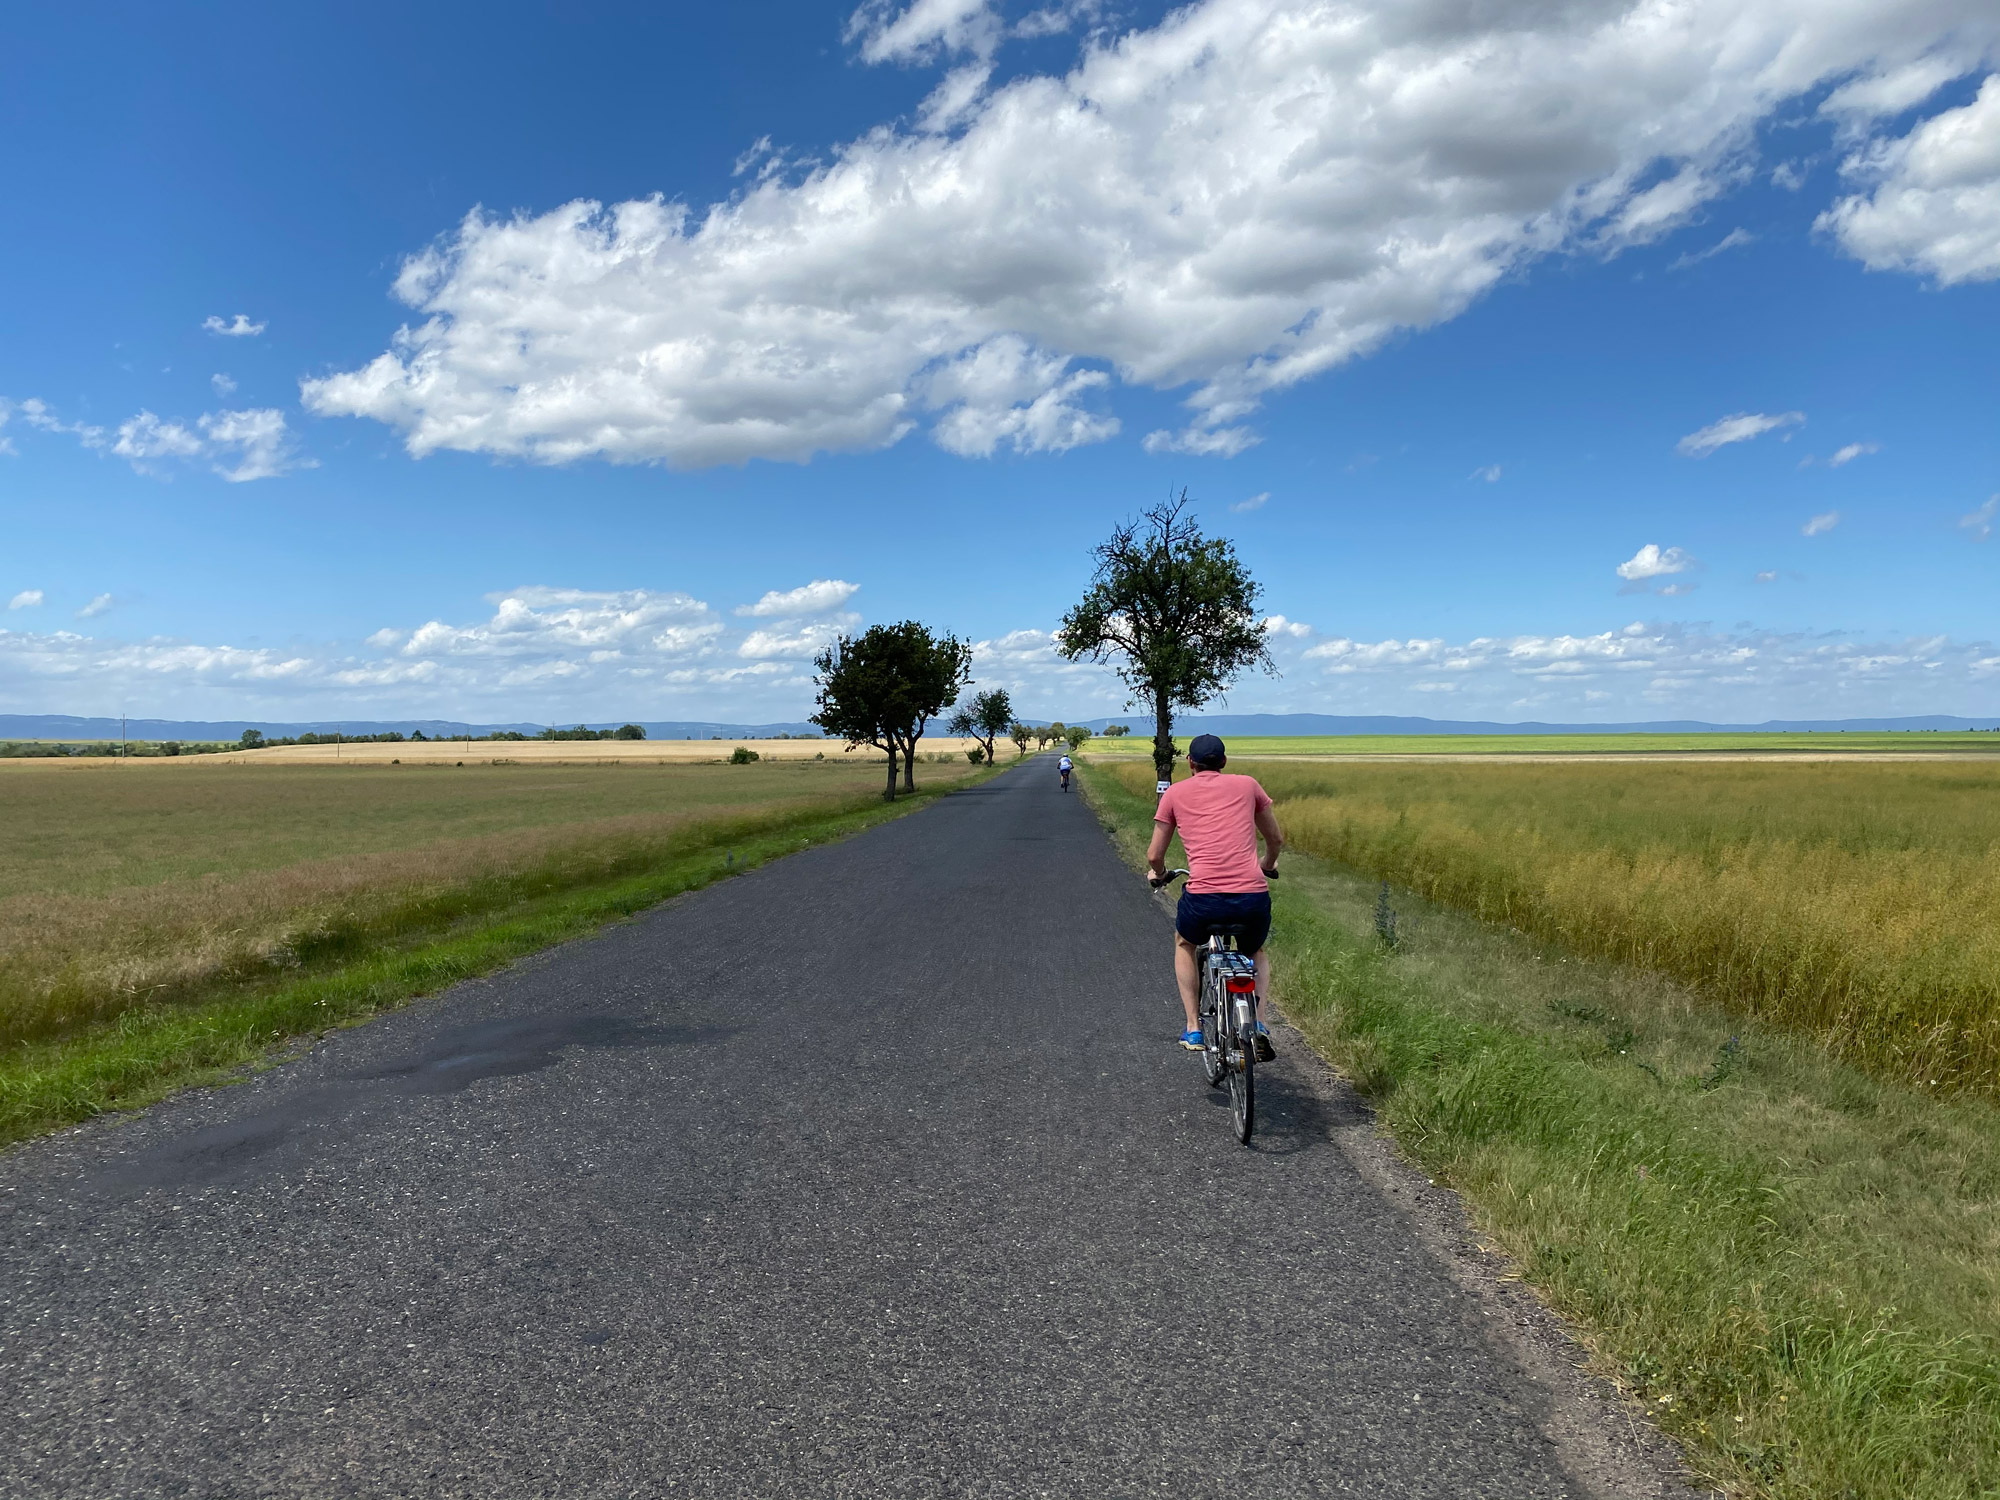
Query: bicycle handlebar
{"type": "Point", "coordinates": [1172, 875]}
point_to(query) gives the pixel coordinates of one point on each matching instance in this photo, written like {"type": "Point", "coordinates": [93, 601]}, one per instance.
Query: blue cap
{"type": "Point", "coordinates": [1205, 747]}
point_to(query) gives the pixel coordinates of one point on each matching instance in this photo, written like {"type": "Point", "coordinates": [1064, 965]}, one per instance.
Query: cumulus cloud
{"type": "Point", "coordinates": [1278, 625]}
{"type": "Point", "coordinates": [923, 29]}
{"type": "Point", "coordinates": [224, 386]}
{"type": "Point", "coordinates": [144, 438]}
{"type": "Point", "coordinates": [1652, 561]}
{"type": "Point", "coordinates": [1255, 502]}
{"type": "Point", "coordinates": [250, 445]}
{"type": "Point", "coordinates": [1740, 428]}
{"type": "Point", "coordinates": [1980, 522]}
{"type": "Point", "coordinates": [101, 605]}
{"type": "Point", "coordinates": [238, 327]}
{"type": "Point", "coordinates": [817, 597]}
{"type": "Point", "coordinates": [26, 599]}
{"type": "Point", "coordinates": [1647, 671]}
{"type": "Point", "coordinates": [1851, 452]}
{"type": "Point", "coordinates": [1820, 525]}
{"type": "Point", "coordinates": [238, 445]}
{"type": "Point", "coordinates": [1229, 202]}
{"type": "Point", "coordinates": [1932, 204]}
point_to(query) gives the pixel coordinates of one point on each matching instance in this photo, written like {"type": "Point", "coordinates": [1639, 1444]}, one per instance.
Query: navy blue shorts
{"type": "Point", "coordinates": [1199, 915]}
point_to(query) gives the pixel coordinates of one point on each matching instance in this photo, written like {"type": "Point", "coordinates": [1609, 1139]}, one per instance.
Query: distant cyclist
{"type": "Point", "coordinates": [1219, 818]}
{"type": "Point", "coordinates": [1063, 765]}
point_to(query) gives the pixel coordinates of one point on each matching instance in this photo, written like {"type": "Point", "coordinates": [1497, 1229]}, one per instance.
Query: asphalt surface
{"type": "Point", "coordinates": [875, 1172]}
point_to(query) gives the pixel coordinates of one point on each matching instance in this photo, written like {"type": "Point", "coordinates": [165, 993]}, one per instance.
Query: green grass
{"type": "Point", "coordinates": [1744, 743]}
{"type": "Point", "coordinates": [1793, 1263]}
{"type": "Point", "coordinates": [116, 996]}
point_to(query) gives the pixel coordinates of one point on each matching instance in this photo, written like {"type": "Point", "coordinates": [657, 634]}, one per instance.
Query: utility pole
{"type": "Point", "coordinates": [122, 751]}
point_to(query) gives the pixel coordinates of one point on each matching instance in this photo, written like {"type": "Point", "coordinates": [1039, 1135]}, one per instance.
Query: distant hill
{"type": "Point", "coordinates": [63, 727]}
{"type": "Point", "coordinates": [1302, 724]}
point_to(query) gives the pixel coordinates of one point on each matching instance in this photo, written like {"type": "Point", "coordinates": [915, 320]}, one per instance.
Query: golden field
{"type": "Point", "coordinates": [556, 752]}
{"type": "Point", "coordinates": [1856, 902]}
{"type": "Point", "coordinates": [135, 884]}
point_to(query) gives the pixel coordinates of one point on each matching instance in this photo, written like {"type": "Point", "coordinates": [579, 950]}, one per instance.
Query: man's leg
{"type": "Point", "coordinates": [1187, 969]}
{"type": "Point", "coordinates": [1262, 960]}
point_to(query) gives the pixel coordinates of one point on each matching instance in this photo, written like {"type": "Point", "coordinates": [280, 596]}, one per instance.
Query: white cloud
{"type": "Point", "coordinates": [1232, 201]}
{"type": "Point", "coordinates": [1740, 428]}
{"type": "Point", "coordinates": [1734, 240]}
{"type": "Point", "coordinates": [1767, 577]}
{"type": "Point", "coordinates": [1980, 521]}
{"type": "Point", "coordinates": [1491, 474]}
{"type": "Point", "coordinates": [1279, 625]}
{"type": "Point", "coordinates": [1933, 204]}
{"type": "Point", "coordinates": [814, 598]}
{"type": "Point", "coordinates": [1651, 561]}
{"type": "Point", "coordinates": [1791, 176]}
{"type": "Point", "coordinates": [1255, 502]}
{"type": "Point", "coordinates": [145, 438]}
{"type": "Point", "coordinates": [238, 445]}
{"type": "Point", "coordinates": [224, 386]}
{"type": "Point", "coordinates": [1851, 452]}
{"type": "Point", "coordinates": [250, 444]}
{"type": "Point", "coordinates": [923, 29]}
{"type": "Point", "coordinates": [1820, 525]}
{"type": "Point", "coordinates": [1005, 391]}
{"type": "Point", "coordinates": [238, 327]}
{"type": "Point", "coordinates": [26, 599]}
{"type": "Point", "coordinates": [1655, 671]}
{"type": "Point", "coordinates": [1202, 442]}
{"type": "Point", "coordinates": [39, 415]}
{"type": "Point", "coordinates": [101, 605]}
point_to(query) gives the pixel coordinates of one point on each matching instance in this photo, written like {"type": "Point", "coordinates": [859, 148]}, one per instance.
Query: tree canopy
{"type": "Point", "coordinates": [883, 687]}
{"type": "Point", "coordinates": [985, 718]}
{"type": "Point", "coordinates": [1176, 614]}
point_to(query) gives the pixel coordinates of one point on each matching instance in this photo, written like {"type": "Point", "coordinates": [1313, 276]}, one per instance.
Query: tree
{"type": "Point", "coordinates": [1020, 734]}
{"type": "Point", "coordinates": [985, 718]}
{"type": "Point", "coordinates": [882, 688]}
{"type": "Point", "coordinates": [253, 739]}
{"type": "Point", "coordinates": [1076, 734]}
{"type": "Point", "coordinates": [1175, 610]}
{"type": "Point", "coordinates": [629, 732]}
{"type": "Point", "coordinates": [1113, 731]}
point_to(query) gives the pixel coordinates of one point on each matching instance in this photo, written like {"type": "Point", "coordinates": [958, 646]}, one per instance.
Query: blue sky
{"type": "Point", "coordinates": [1595, 361]}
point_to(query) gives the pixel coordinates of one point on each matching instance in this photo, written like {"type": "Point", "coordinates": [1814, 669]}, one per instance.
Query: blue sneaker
{"type": "Point", "coordinates": [1265, 1051]}
{"type": "Point", "coordinates": [1192, 1040]}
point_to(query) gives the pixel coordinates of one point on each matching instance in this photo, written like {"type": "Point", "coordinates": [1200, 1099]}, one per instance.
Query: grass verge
{"type": "Point", "coordinates": [1794, 1263]}
{"type": "Point", "coordinates": [147, 1052]}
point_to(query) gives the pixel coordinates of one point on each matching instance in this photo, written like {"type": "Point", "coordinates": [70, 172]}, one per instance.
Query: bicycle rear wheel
{"type": "Point", "coordinates": [1213, 1035]}
{"type": "Point", "coordinates": [1243, 1085]}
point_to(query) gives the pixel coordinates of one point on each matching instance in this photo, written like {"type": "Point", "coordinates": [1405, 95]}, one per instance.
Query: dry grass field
{"type": "Point", "coordinates": [1750, 745]}
{"type": "Point", "coordinates": [1859, 903]}
{"type": "Point", "coordinates": [124, 886]}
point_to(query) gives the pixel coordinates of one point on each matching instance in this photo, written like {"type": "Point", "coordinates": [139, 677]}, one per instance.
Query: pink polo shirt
{"type": "Point", "coordinates": [1216, 815]}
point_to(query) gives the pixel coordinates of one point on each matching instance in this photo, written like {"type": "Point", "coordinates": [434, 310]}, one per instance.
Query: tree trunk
{"type": "Point", "coordinates": [910, 762]}
{"type": "Point", "coordinates": [889, 793]}
{"type": "Point", "coordinates": [1163, 739]}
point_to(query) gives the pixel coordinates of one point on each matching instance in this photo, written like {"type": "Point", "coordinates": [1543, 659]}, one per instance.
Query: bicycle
{"type": "Point", "coordinates": [1227, 1012]}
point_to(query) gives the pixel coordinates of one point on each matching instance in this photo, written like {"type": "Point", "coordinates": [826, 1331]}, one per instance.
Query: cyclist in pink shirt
{"type": "Point", "coordinates": [1218, 818]}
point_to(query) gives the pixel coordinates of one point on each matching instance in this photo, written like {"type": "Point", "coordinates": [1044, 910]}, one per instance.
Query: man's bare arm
{"type": "Point", "coordinates": [1156, 852]}
{"type": "Point", "coordinates": [1274, 837]}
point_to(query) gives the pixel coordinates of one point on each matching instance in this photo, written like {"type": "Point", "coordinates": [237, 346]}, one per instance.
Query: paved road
{"type": "Point", "coordinates": [872, 1173]}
